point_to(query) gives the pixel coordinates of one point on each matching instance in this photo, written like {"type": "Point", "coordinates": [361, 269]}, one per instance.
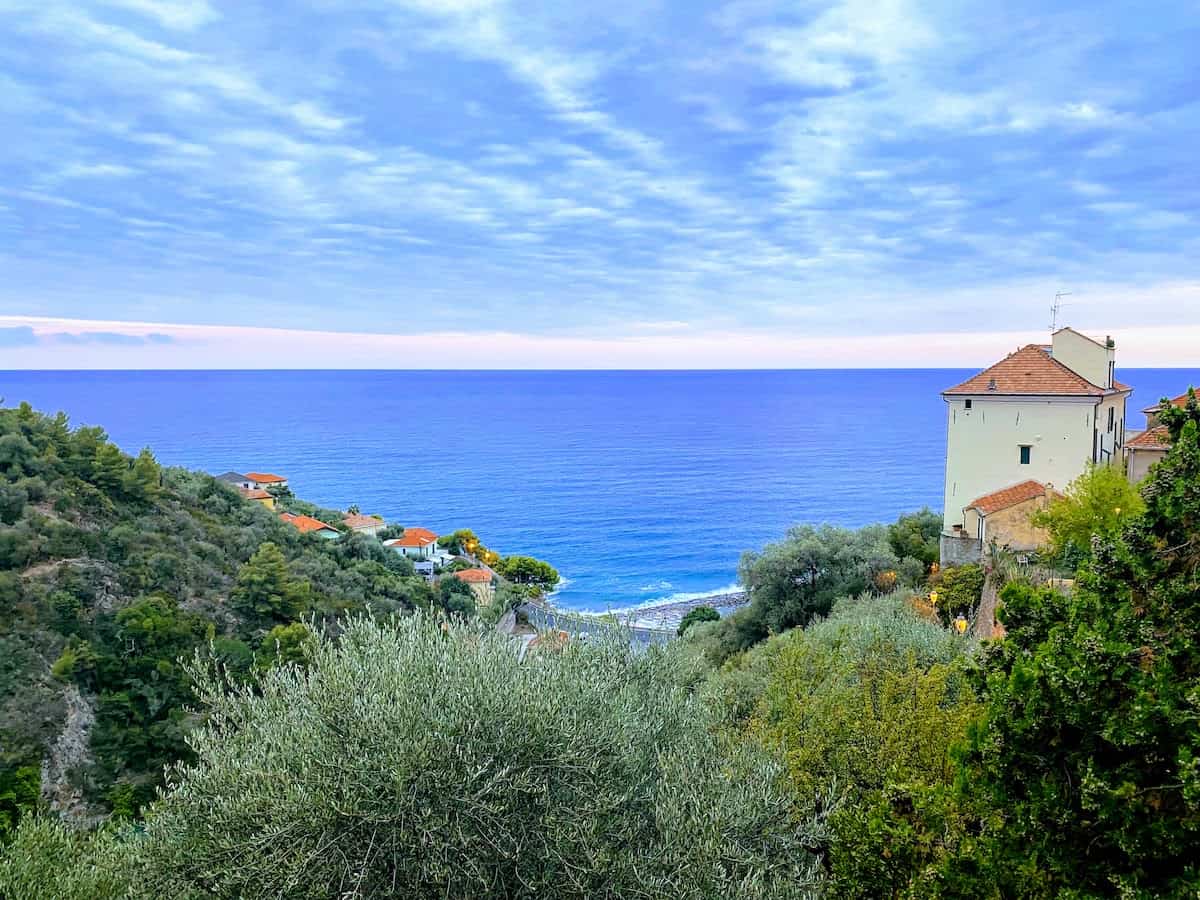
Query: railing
{"type": "Point", "coordinates": [543, 616]}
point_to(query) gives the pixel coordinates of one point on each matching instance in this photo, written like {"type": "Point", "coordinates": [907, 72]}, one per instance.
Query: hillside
{"type": "Point", "coordinates": [111, 569]}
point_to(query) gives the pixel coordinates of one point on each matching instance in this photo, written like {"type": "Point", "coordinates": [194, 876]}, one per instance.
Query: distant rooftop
{"type": "Point", "coordinates": [305, 524]}
{"type": "Point", "coordinates": [265, 478]}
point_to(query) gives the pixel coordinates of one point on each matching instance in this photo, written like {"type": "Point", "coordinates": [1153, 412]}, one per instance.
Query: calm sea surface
{"type": "Point", "coordinates": [637, 485]}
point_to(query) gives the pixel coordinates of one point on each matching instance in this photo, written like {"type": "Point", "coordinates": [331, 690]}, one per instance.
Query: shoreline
{"type": "Point", "coordinates": [667, 614]}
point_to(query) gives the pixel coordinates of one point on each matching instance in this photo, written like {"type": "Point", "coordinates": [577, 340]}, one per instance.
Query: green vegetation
{"type": "Point", "coordinates": [796, 581]}
{"type": "Point", "coordinates": [456, 771]}
{"type": "Point", "coordinates": [1090, 743]}
{"type": "Point", "coordinates": [831, 740]}
{"type": "Point", "coordinates": [696, 616]}
{"type": "Point", "coordinates": [1096, 505]}
{"type": "Point", "coordinates": [958, 590]}
{"type": "Point", "coordinates": [525, 570]}
{"type": "Point", "coordinates": [112, 569]}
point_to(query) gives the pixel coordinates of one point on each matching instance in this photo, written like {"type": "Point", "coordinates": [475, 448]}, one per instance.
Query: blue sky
{"type": "Point", "coordinates": [463, 182]}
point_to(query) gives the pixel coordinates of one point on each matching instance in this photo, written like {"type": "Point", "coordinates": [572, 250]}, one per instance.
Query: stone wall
{"type": "Point", "coordinates": [959, 550]}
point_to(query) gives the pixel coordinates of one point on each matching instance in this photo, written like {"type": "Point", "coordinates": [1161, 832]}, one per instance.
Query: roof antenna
{"type": "Point", "coordinates": [1054, 310]}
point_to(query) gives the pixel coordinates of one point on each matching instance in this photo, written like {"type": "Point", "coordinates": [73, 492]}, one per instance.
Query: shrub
{"type": "Point", "coordinates": [696, 616]}
{"type": "Point", "coordinates": [413, 760]}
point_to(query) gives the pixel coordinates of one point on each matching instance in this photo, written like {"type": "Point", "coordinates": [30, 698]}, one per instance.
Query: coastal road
{"type": "Point", "coordinates": [544, 617]}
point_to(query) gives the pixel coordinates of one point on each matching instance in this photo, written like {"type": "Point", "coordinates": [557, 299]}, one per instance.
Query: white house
{"type": "Point", "coordinates": [264, 480]}
{"type": "Point", "coordinates": [416, 543]}
{"type": "Point", "coordinates": [1041, 414]}
{"type": "Point", "coordinates": [361, 524]}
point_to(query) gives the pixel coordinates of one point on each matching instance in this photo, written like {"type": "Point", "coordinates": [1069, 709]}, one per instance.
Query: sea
{"type": "Point", "coordinates": [639, 487]}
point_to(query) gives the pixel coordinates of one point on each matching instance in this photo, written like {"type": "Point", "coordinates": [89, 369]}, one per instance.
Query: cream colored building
{"type": "Point", "coordinates": [1042, 414]}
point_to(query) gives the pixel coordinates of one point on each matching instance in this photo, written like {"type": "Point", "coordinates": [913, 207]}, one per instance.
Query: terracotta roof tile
{"type": "Point", "coordinates": [413, 537]}
{"type": "Point", "coordinates": [1010, 496]}
{"type": "Point", "coordinates": [254, 493]}
{"type": "Point", "coordinates": [1153, 439]}
{"type": "Point", "coordinates": [1030, 370]}
{"type": "Point", "coordinates": [305, 524]}
{"type": "Point", "coordinates": [1180, 401]}
{"type": "Point", "coordinates": [474, 576]}
{"type": "Point", "coordinates": [358, 520]}
{"type": "Point", "coordinates": [265, 478]}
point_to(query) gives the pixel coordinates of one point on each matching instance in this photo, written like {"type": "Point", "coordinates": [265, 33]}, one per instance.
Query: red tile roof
{"type": "Point", "coordinates": [358, 520]}
{"type": "Point", "coordinates": [254, 493]}
{"type": "Point", "coordinates": [1030, 370]}
{"type": "Point", "coordinates": [305, 524]}
{"type": "Point", "coordinates": [414, 537]}
{"type": "Point", "coordinates": [474, 576]}
{"type": "Point", "coordinates": [1180, 401]}
{"type": "Point", "coordinates": [1010, 496]}
{"type": "Point", "coordinates": [265, 478]}
{"type": "Point", "coordinates": [1157, 438]}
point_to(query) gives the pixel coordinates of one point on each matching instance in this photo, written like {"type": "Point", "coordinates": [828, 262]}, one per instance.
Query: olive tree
{"type": "Point", "coordinates": [418, 759]}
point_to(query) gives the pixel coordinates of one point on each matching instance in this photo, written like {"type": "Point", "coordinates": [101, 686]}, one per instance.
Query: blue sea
{"type": "Point", "coordinates": [637, 486]}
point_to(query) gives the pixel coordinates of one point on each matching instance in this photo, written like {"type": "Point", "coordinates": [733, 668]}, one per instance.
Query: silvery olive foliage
{"type": "Point", "coordinates": [412, 758]}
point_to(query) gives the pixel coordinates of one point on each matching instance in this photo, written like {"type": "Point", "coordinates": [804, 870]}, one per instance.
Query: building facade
{"type": "Point", "coordinates": [1041, 415]}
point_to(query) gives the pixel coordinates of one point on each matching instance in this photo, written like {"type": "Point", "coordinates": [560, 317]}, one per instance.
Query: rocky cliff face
{"type": "Point", "coordinates": [69, 752]}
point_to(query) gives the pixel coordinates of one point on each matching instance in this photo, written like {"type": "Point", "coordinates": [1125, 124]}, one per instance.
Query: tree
{"type": "Point", "coordinates": [527, 570]}
{"type": "Point", "coordinates": [585, 774]}
{"type": "Point", "coordinates": [456, 597]}
{"type": "Point", "coordinates": [916, 536]}
{"type": "Point", "coordinates": [796, 580]}
{"type": "Point", "coordinates": [1096, 504]}
{"type": "Point", "coordinates": [1090, 749]}
{"type": "Point", "coordinates": [286, 644]}
{"type": "Point", "coordinates": [141, 481]}
{"type": "Point", "coordinates": [109, 467]}
{"type": "Point", "coordinates": [265, 590]}
{"type": "Point", "coordinates": [697, 615]}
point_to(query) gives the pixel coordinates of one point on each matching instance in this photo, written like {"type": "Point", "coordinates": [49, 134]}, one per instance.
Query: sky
{"type": "Point", "coordinates": [585, 184]}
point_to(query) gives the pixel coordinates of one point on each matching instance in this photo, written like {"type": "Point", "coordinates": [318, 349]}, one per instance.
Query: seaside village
{"type": "Point", "coordinates": [420, 545]}
{"type": "Point", "coordinates": [1017, 434]}
{"type": "Point", "coordinates": [1020, 431]}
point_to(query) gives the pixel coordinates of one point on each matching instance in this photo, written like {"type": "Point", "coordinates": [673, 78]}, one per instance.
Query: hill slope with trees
{"type": "Point", "coordinates": [112, 569]}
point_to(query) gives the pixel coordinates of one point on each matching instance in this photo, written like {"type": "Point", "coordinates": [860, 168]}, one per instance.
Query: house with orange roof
{"type": "Point", "coordinates": [258, 495]}
{"type": "Point", "coordinates": [1147, 447]}
{"type": "Point", "coordinates": [416, 543]}
{"type": "Point", "coordinates": [265, 480]}
{"type": "Point", "coordinates": [361, 524]}
{"type": "Point", "coordinates": [482, 583]}
{"type": "Point", "coordinates": [309, 525]}
{"type": "Point", "coordinates": [1041, 415]}
{"type": "Point", "coordinates": [1003, 517]}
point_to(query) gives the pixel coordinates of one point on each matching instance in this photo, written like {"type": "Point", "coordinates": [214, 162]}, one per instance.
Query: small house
{"type": "Point", "coordinates": [482, 583]}
{"type": "Point", "coordinates": [309, 525]}
{"type": "Point", "coordinates": [1148, 447]}
{"type": "Point", "coordinates": [265, 480]}
{"type": "Point", "coordinates": [360, 524]}
{"type": "Point", "coordinates": [416, 543]}
{"type": "Point", "coordinates": [237, 479]}
{"type": "Point", "coordinates": [1002, 518]}
{"type": "Point", "coordinates": [258, 495]}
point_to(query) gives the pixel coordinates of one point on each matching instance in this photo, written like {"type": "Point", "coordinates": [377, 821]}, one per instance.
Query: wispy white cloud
{"type": "Point", "coordinates": [591, 167]}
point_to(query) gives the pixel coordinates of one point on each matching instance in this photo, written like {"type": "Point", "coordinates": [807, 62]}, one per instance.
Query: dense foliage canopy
{"type": "Point", "coordinates": [412, 759]}
{"type": "Point", "coordinates": [112, 569]}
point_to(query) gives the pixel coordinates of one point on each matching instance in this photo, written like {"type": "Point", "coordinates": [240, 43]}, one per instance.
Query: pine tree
{"type": "Point", "coordinates": [265, 590]}
{"type": "Point", "coordinates": [109, 467]}
{"type": "Point", "coordinates": [143, 480]}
